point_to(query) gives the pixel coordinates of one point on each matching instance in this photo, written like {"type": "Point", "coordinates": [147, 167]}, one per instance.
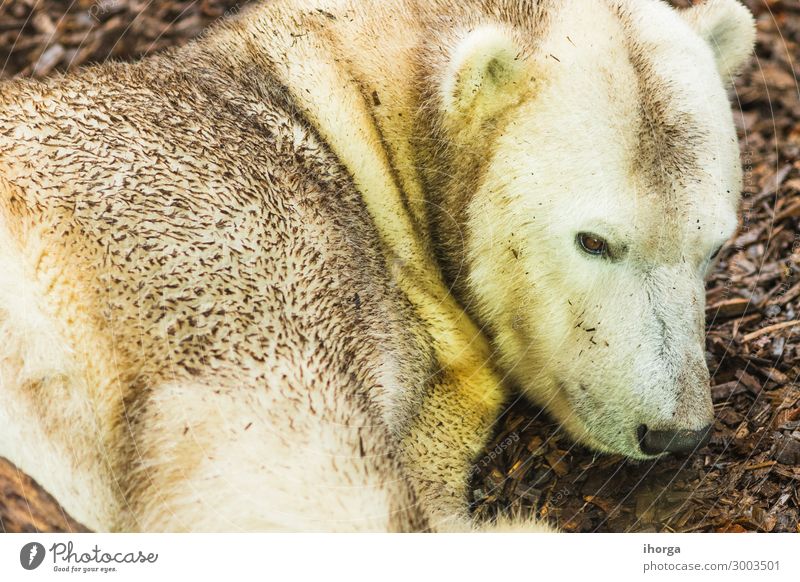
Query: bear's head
{"type": "Point", "coordinates": [586, 174]}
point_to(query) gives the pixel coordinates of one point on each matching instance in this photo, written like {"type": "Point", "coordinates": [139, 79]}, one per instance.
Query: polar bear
{"type": "Point", "coordinates": [284, 277]}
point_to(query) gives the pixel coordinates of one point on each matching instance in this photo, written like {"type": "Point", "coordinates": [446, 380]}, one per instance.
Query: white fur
{"type": "Point", "coordinates": [728, 27]}
{"type": "Point", "coordinates": [561, 168]}
{"type": "Point", "coordinates": [33, 350]}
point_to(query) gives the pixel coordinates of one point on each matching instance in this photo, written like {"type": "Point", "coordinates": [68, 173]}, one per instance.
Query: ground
{"type": "Point", "coordinates": [746, 479]}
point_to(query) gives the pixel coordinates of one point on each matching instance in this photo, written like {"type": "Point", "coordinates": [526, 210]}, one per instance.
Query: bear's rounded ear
{"type": "Point", "coordinates": [728, 27]}
{"type": "Point", "coordinates": [483, 74]}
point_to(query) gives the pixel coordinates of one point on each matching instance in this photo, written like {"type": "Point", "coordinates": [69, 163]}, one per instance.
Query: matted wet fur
{"type": "Point", "coordinates": [267, 281]}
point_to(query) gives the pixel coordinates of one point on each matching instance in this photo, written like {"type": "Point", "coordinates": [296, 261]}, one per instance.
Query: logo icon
{"type": "Point", "coordinates": [31, 555]}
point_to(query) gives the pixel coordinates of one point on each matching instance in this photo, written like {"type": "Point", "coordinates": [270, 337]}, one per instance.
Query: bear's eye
{"type": "Point", "coordinates": [592, 244]}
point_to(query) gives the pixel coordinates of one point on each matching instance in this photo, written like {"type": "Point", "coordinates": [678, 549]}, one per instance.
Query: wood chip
{"type": "Point", "coordinates": [728, 308]}
{"type": "Point", "coordinates": [769, 329]}
{"type": "Point", "coordinates": [763, 465]}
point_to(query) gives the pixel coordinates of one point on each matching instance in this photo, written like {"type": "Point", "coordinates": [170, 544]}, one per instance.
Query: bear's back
{"type": "Point", "coordinates": [194, 211]}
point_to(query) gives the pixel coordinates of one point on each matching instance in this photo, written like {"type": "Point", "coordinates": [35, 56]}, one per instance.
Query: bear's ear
{"type": "Point", "coordinates": [483, 74]}
{"type": "Point", "coordinates": [728, 27]}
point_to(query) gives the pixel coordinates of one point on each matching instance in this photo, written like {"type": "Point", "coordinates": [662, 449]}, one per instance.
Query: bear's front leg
{"type": "Point", "coordinates": [454, 423]}
{"type": "Point", "coordinates": [440, 448]}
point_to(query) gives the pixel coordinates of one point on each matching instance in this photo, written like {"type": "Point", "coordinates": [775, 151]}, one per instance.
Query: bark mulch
{"type": "Point", "coordinates": [746, 479]}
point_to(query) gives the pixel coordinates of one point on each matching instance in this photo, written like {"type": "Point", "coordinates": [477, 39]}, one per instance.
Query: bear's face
{"type": "Point", "coordinates": [612, 181]}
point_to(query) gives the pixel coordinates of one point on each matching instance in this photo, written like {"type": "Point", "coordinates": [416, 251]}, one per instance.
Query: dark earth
{"type": "Point", "coordinates": [745, 479]}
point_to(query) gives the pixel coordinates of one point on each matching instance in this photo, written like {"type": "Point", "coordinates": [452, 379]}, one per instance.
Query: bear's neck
{"type": "Point", "coordinates": [361, 72]}
{"type": "Point", "coordinates": [359, 81]}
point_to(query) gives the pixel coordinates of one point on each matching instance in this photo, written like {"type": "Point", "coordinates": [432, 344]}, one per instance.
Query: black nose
{"type": "Point", "coordinates": [654, 442]}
